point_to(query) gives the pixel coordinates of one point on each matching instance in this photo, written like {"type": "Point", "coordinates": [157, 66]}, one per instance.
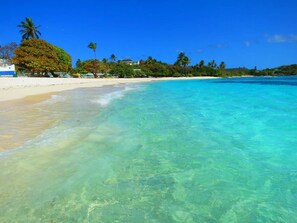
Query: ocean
{"type": "Point", "coordinates": [218, 150]}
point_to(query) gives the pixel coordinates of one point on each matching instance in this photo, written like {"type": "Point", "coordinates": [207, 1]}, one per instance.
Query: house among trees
{"type": "Point", "coordinates": [129, 62]}
{"type": "Point", "coordinates": [7, 69]}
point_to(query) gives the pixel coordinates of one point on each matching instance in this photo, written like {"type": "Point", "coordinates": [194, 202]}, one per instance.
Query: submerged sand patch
{"type": "Point", "coordinates": [21, 120]}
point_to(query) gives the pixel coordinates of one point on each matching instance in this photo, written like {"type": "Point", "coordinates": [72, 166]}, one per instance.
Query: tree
{"type": "Point", "coordinates": [150, 60]}
{"type": "Point", "coordinates": [93, 46]}
{"type": "Point", "coordinates": [65, 60]}
{"type": "Point", "coordinates": [222, 66]}
{"type": "Point", "coordinates": [78, 63]}
{"type": "Point", "coordinates": [221, 72]}
{"type": "Point", "coordinates": [212, 64]}
{"type": "Point", "coordinates": [41, 57]}
{"type": "Point", "coordinates": [180, 57]}
{"type": "Point", "coordinates": [29, 29]}
{"type": "Point", "coordinates": [93, 66]}
{"type": "Point", "coordinates": [113, 58]}
{"type": "Point", "coordinates": [182, 60]}
{"type": "Point", "coordinates": [6, 52]}
{"type": "Point", "coordinates": [185, 61]}
{"type": "Point", "coordinates": [201, 64]}
{"type": "Point", "coordinates": [122, 70]}
{"type": "Point", "coordinates": [79, 67]}
{"type": "Point", "coordinates": [96, 66]}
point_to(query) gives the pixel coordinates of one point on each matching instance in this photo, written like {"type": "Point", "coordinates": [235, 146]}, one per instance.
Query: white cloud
{"type": "Point", "coordinates": [279, 38]}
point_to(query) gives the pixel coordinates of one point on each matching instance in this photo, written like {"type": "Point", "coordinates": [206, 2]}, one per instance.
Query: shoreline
{"type": "Point", "coordinates": [22, 87]}
{"type": "Point", "coordinates": [19, 93]}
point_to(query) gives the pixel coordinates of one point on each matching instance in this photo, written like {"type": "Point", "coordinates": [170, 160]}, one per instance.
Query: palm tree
{"type": "Point", "coordinates": [150, 60]}
{"type": "Point", "coordinates": [222, 66]}
{"type": "Point", "coordinates": [212, 64]}
{"type": "Point", "coordinates": [201, 64]}
{"type": "Point", "coordinates": [185, 61]}
{"type": "Point", "coordinates": [182, 60]}
{"type": "Point", "coordinates": [93, 46]}
{"type": "Point", "coordinates": [113, 58]}
{"type": "Point", "coordinates": [29, 29]}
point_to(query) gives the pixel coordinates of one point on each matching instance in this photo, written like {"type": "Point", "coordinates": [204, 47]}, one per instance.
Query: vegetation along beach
{"type": "Point", "coordinates": [128, 111]}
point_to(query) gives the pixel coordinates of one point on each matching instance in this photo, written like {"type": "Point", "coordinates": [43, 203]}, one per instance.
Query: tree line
{"type": "Point", "coordinates": [37, 57]}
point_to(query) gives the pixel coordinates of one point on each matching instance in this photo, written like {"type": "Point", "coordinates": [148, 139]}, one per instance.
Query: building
{"type": "Point", "coordinates": [7, 69]}
{"type": "Point", "coordinates": [129, 62]}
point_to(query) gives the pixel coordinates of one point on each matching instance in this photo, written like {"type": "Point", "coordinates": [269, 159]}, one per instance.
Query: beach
{"type": "Point", "coordinates": [17, 88]}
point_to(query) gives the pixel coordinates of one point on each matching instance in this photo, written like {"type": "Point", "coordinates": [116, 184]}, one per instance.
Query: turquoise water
{"type": "Point", "coordinates": [177, 151]}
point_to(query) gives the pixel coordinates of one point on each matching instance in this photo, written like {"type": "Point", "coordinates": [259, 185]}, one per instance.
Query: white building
{"type": "Point", "coordinates": [7, 69]}
{"type": "Point", "coordinates": [129, 62]}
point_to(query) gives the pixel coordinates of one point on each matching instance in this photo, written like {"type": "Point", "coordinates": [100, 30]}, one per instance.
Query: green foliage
{"type": "Point", "coordinates": [154, 68]}
{"type": "Point", "coordinates": [222, 66]}
{"type": "Point", "coordinates": [237, 72]}
{"type": "Point", "coordinates": [201, 64]}
{"type": "Point", "coordinates": [212, 64]}
{"type": "Point", "coordinates": [176, 74]}
{"type": "Point", "coordinates": [139, 73]}
{"type": "Point", "coordinates": [40, 57]}
{"type": "Point", "coordinates": [286, 70]}
{"type": "Point", "coordinates": [122, 70]}
{"type": "Point", "coordinates": [80, 67]}
{"type": "Point", "coordinates": [93, 46]}
{"type": "Point", "coordinates": [113, 58]}
{"type": "Point", "coordinates": [95, 67]}
{"type": "Point", "coordinates": [182, 60]}
{"type": "Point", "coordinates": [65, 60]}
{"type": "Point", "coordinates": [29, 29]}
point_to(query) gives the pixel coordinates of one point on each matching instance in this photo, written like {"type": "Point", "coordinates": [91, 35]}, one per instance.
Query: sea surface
{"type": "Point", "coordinates": [219, 150]}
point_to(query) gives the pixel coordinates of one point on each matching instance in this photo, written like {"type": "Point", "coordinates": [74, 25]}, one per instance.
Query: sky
{"type": "Point", "coordinates": [242, 33]}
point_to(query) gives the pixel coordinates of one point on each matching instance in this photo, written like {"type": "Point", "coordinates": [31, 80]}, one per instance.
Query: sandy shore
{"type": "Point", "coordinates": [17, 88]}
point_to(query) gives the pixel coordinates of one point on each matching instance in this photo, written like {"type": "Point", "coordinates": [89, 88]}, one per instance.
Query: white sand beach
{"type": "Point", "coordinates": [21, 87]}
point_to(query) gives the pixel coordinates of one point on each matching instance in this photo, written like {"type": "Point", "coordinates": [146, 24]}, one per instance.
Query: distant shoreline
{"type": "Point", "coordinates": [21, 87]}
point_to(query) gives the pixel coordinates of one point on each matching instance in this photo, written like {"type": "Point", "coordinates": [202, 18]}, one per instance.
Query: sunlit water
{"type": "Point", "coordinates": [179, 151]}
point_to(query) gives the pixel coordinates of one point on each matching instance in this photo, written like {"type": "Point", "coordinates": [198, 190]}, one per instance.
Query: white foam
{"type": "Point", "coordinates": [105, 99]}
{"type": "Point", "coordinates": [57, 98]}
{"type": "Point", "coordinates": [53, 99]}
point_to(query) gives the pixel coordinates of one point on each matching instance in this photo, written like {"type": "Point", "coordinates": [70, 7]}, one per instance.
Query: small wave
{"type": "Point", "coordinates": [56, 97]}
{"type": "Point", "coordinates": [105, 99]}
{"type": "Point", "coordinates": [53, 99]}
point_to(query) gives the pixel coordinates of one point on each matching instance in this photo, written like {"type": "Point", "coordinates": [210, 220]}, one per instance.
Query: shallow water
{"type": "Point", "coordinates": [178, 151]}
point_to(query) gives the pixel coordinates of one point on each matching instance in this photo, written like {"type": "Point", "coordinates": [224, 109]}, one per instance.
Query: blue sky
{"type": "Point", "coordinates": [243, 33]}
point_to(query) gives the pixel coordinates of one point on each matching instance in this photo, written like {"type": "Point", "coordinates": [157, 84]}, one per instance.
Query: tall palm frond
{"type": "Point", "coordinates": [29, 29]}
{"type": "Point", "coordinates": [93, 46]}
